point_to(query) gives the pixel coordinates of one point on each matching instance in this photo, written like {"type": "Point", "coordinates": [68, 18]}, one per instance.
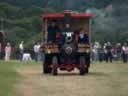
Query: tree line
{"type": "Point", "coordinates": [21, 20]}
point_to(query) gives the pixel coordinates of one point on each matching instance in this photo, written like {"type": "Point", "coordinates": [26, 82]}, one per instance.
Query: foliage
{"type": "Point", "coordinates": [21, 19]}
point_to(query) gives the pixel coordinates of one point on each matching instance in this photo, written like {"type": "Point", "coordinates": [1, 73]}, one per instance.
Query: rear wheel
{"type": "Point", "coordinates": [55, 65]}
{"type": "Point", "coordinates": [83, 67]}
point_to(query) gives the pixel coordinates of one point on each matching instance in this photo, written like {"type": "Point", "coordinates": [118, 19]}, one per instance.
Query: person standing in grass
{"type": "Point", "coordinates": [95, 51]}
{"type": "Point", "coordinates": [118, 51]}
{"type": "Point", "coordinates": [7, 52]}
{"type": "Point", "coordinates": [21, 49]}
{"type": "Point", "coordinates": [109, 56]}
{"type": "Point", "coordinates": [101, 53]}
{"type": "Point", "coordinates": [0, 50]}
{"type": "Point", "coordinates": [41, 51]}
{"type": "Point", "coordinates": [37, 51]}
{"type": "Point", "coordinates": [125, 53]}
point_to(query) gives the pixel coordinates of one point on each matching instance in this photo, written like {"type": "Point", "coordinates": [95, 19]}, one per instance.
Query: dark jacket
{"type": "Point", "coordinates": [52, 32]}
{"type": "Point", "coordinates": [85, 39]}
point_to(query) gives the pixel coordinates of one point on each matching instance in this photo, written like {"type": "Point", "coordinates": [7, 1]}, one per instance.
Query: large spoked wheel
{"type": "Point", "coordinates": [88, 64]}
{"type": "Point", "coordinates": [55, 66]}
{"type": "Point", "coordinates": [46, 68]}
{"type": "Point", "coordinates": [83, 67]}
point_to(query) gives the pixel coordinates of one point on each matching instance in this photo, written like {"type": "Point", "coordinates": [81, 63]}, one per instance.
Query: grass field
{"type": "Point", "coordinates": [8, 77]}
{"type": "Point", "coordinates": [26, 79]}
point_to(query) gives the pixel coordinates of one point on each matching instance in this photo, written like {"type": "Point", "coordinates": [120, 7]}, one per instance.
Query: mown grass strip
{"type": "Point", "coordinates": [8, 78]}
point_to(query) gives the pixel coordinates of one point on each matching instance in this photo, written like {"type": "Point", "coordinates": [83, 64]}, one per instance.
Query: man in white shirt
{"type": "Point", "coordinates": [36, 51]}
{"type": "Point", "coordinates": [21, 49]}
{"type": "Point", "coordinates": [0, 49]}
{"type": "Point", "coordinates": [125, 52]}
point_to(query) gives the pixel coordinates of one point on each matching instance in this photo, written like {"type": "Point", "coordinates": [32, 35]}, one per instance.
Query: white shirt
{"type": "Point", "coordinates": [21, 46]}
{"type": "Point", "coordinates": [36, 48]}
{"type": "Point", "coordinates": [125, 49]}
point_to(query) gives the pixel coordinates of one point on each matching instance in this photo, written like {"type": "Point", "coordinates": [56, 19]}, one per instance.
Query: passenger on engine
{"type": "Point", "coordinates": [83, 37]}
{"type": "Point", "coordinates": [59, 37]}
{"type": "Point", "coordinates": [76, 33]}
{"type": "Point", "coordinates": [52, 30]}
{"type": "Point", "coordinates": [67, 28]}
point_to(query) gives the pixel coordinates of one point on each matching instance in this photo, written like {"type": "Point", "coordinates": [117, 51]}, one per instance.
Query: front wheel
{"type": "Point", "coordinates": [55, 65]}
{"type": "Point", "coordinates": [83, 67]}
{"type": "Point", "coordinates": [46, 68]}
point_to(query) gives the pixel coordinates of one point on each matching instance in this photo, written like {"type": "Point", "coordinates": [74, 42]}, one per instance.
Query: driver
{"type": "Point", "coordinates": [67, 28]}
{"type": "Point", "coordinates": [83, 36]}
{"type": "Point", "coordinates": [52, 31]}
{"type": "Point", "coordinates": [59, 37]}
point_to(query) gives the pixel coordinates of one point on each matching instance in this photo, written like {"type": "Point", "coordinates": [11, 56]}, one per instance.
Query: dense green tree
{"type": "Point", "coordinates": [21, 18]}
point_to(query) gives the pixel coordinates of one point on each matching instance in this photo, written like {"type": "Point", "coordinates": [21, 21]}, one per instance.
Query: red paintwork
{"type": "Point", "coordinates": [76, 36]}
{"type": "Point", "coordinates": [53, 16]}
{"type": "Point", "coordinates": [67, 67]}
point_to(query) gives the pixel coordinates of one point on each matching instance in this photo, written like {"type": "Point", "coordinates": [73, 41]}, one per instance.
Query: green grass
{"type": "Point", "coordinates": [104, 79]}
{"type": "Point", "coordinates": [7, 78]}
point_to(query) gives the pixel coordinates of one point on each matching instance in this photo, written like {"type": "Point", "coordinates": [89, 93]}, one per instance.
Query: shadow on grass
{"type": "Point", "coordinates": [93, 74]}
{"type": "Point", "coordinates": [68, 74]}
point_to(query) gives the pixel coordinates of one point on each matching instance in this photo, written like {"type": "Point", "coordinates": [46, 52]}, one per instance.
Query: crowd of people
{"type": "Point", "coordinates": [99, 52]}
{"type": "Point", "coordinates": [7, 51]}
{"type": "Point", "coordinates": [25, 56]}
{"type": "Point", "coordinates": [108, 52]}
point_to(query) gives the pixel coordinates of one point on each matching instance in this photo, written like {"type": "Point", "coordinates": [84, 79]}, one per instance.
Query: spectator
{"type": "Point", "coordinates": [26, 57]}
{"type": "Point", "coordinates": [114, 53]}
{"type": "Point", "coordinates": [109, 52]}
{"type": "Point", "coordinates": [0, 50]}
{"type": "Point", "coordinates": [7, 52]}
{"type": "Point", "coordinates": [37, 51]}
{"type": "Point", "coordinates": [101, 54]}
{"type": "Point", "coordinates": [42, 52]}
{"type": "Point", "coordinates": [52, 30]}
{"type": "Point", "coordinates": [83, 37]}
{"type": "Point", "coordinates": [21, 49]}
{"type": "Point", "coordinates": [105, 51]}
{"type": "Point", "coordinates": [118, 51]}
{"type": "Point", "coordinates": [125, 53]}
{"type": "Point", "coordinates": [95, 51]}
